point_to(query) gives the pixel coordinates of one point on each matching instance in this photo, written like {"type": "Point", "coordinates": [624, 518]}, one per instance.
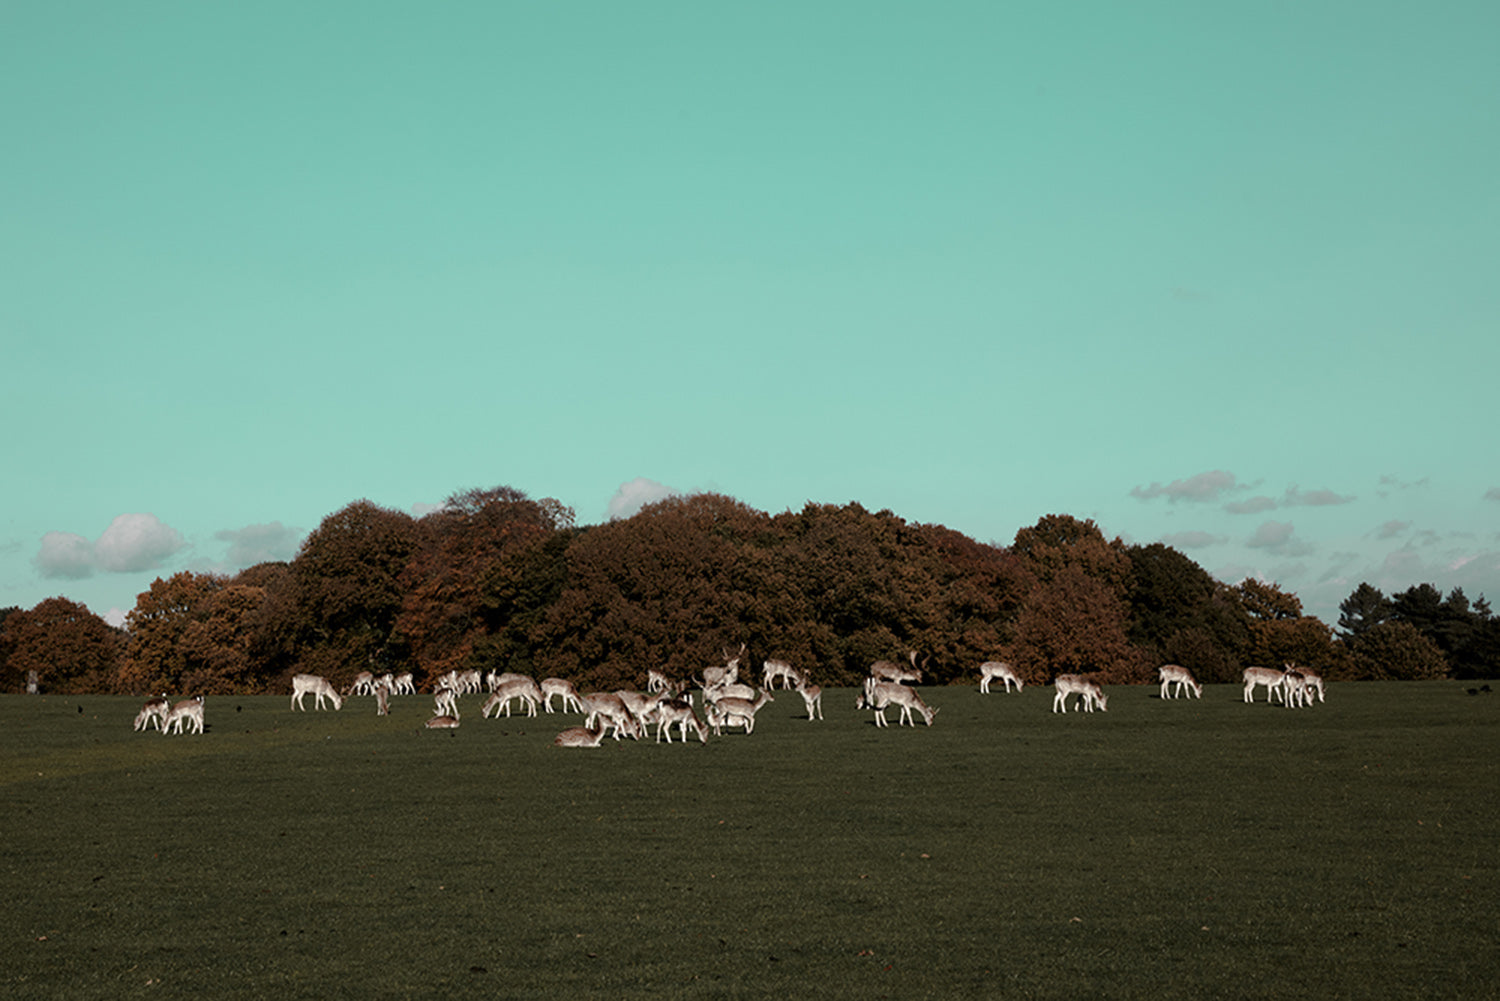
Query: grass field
{"type": "Point", "coordinates": [1164, 849]}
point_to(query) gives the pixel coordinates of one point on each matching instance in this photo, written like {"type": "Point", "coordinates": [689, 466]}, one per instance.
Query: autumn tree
{"type": "Point", "coordinates": [1180, 614]}
{"type": "Point", "coordinates": [468, 576]}
{"type": "Point", "coordinates": [71, 649]}
{"type": "Point", "coordinates": [336, 611]}
{"type": "Point", "coordinates": [156, 658]}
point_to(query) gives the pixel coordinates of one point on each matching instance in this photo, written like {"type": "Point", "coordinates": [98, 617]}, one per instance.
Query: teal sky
{"type": "Point", "coordinates": [1223, 275]}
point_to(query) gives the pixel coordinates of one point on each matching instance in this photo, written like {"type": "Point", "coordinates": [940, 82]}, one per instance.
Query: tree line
{"type": "Point", "coordinates": [494, 580]}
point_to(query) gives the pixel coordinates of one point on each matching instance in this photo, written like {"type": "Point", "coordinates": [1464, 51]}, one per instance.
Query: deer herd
{"type": "Point", "coordinates": [726, 701]}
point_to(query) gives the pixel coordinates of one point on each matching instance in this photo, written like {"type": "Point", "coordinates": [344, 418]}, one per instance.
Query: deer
{"type": "Point", "coordinates": [563, 688]}
{"type": "Point", "coordinates": [404, 684]}
{"type": "Point", "coordinates": [678, 713]}
{"type": "Point", "coordinates": [517, 687]}
{"type": "Point", "coordinates": [1089, 693]}
{"type": "Point", "coordinates": [1268, 676]}
{"type": "Point", "coordinates": [1314, 682]}
{"type": "Point", "coordinates": [879, 694]}
{"type": "Point", "coordinates": [383, 697]}
{"type": "Point", "coordinates": [611, 708]}
{"type": "Point", "coordinates": [319, 688]}
{"type": "Point", "coordinates": [188, 713]}
{"type": "Point", "coordinates": [812, 697]}
{"type": "Point", "coordinates": [445, 701]}
{"type": "Point", "coordinates": [736, 711]}
{"type": "Point", "coordinates": [728, 674]}
{"type": "Point", "coordinates": [153, 712]}
{"type": "Point", "coordinates": [990, 670]}
{"type": "Point", "coordinates": [364, 684]}
{"type": "Point", "coordinates": [579, 736]}
{"type": "Point", "coordinates": [1180, 677]}
{"type": "Point", "coordinates": [884, 670]}
{"type": "Point", "coordinates": [442, 721]}
{"type": "Point", "coordinates": [772, 671]}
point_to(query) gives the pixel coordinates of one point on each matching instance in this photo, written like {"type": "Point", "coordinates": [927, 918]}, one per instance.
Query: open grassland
{"type": "Point", "coordinates": [1164, 849]}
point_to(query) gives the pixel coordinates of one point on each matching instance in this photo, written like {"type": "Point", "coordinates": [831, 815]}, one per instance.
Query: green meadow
{"type": "Point", "coordinates": [1163, 849]}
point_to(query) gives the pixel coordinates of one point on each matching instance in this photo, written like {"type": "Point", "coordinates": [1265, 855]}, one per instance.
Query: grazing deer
{"type": "Point", "coordinates": [736, 712]}
{"type": "Point", "coordinates": [884, 670]}
{"type": "Point", "coordinates": [153, 713]}
{"type": "Point", "coordinates": [993, 669]}
{"type": "Point", "coordinates": [188, 713]}
{"type": "Point", "coordinates": [656, 681]}
{"type": "Point", "coordinates": [772, 671]}
{"type": "Point", "coordinates": [1089, 693]}
{"type": "Point", "coordinates": [1268, 676]}
{"type": "Point", "coordinates": [404, 684]}
{"type": "Point", "coordinates": [319, 688]}
{"type": "Point", "coordinates": [364, 684]}
{"type": "Point", "coordinates": [678, 713]}
{"type": "Point", "coordinates": [517, 687]}
{"type": "Point", "coordinates": [579, 736]}
{"type": "Point", "coordinates": [1314, 682]}
{"type": "Point", "coordinates": [812, 697]}
{"type": "Point", "coordinates": [610, 708]}
{"type": "Point", "coordinates": [1180, 677]}
{"type": "Point", "coordinates": [879, 694]}
{"type": "Point", "coordinates": [563, 688]}
{"type": "Point", "coordinates": [383, 697]}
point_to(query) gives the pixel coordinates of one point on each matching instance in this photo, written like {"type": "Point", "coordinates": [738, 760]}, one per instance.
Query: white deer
{"type": "Point", "coordinates": [1314, 682]}
{"type": "Point", "coordinates": [188, 713]}
{"type": "Point", "coordinates": [885, 670]}
{"type": "Point", "coordinates": [364, 684]}
{"type": "Point", "coordinates": [1089, 693]}
{"type": "Point", "coordinates": [507, 692]}
{"type": "Point", "coordinates": [1180, 677]}
{"type": "Point", "coordinates": [404, 684]}
{"type": "Point", "coordinates": [445, 701]}
{"type": "Point", "coordinates": [812, 697]}
{"type": "Point", "coordinates": [1268, 676]}
{"type": "Point", "coordinates": [579, 736]}
{"type": "Point", "coordinates": [736, 712]}
{"type": "Point", "coordinates": [563, 688]}
{"type": "Point", "coordinates": [679, 714]}
{"type": "Point", "coordinates": [442, 721]}
{"type": "Point", "coordinates": [991, 670]}
{"type": "Point", "coordinates": [772, 671]}
{"type": "Point", "coordinates": [319, 688]}
{"type": "Point", "coordinates": [383, 697]}
{"type": "Point", "coordinates": [879, 694]}
{"type": "Point", "coordinates": [153, 712]}
{"type": "Point", "coordinates": [656, 681]}
{"type": "Point", "coordinates": [728, 674]}
{"type": "Point", "coordinates": [610, 708]}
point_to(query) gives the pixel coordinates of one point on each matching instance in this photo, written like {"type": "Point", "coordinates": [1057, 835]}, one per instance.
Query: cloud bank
{"type": "Point", "coordinates": [636, 494]}
{"type": "Point", "coordinates": [260, 544]}
{"type": "Point", "coordinates": [131, 543]}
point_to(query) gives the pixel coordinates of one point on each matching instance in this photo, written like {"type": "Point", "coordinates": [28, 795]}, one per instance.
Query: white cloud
{"type": "Point", "coordinates": [131, 543]}
{"type": "Point", "coordinates": [1391, 529]}
{"type": "Point", "coordinates": [1202, 487]}
{"type": "Point", "coordinates": [1276, 537]}
{"type": "Point", "coordinates": [259, 544]}
{"type": "Point", "coordinates": [636, 494]}
{"type": "Point", "coordinates": [136, 542]}
{"type": "Point", "coordinates": [1313, 498]}
{"type": "Point", "coordinates": [1255, 505]}
{"type": "Point", "coordinates": [1192, 540]}
{"type": "Point", "coordinates": [64, 554]}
